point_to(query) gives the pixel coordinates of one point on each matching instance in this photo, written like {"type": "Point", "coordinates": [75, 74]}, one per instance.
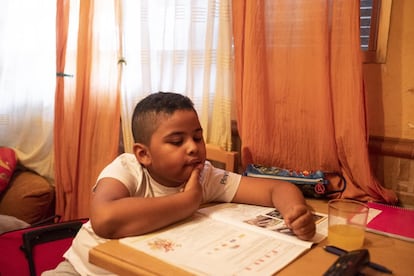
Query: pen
{"type": "Point", "coordinates": [339, 252]}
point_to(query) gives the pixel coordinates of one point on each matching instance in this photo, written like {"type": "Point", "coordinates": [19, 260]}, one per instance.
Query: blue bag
{"type": "Point", "coordinates": [313, 184]}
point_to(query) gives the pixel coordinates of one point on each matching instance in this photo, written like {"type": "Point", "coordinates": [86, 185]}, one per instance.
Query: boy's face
{"type": "Point", "coordinates": [177, 147]}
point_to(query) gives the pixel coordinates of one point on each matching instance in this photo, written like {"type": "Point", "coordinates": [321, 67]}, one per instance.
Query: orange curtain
{"type": "Point", "coordinates": [87, 114]}
{"type": "Point", "coordinates": [299, 90]}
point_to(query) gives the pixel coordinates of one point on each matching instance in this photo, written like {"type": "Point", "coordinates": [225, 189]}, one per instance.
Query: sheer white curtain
{"type": "Point", "coordinates": [182, 46]}
{"type": "Point", "coordinates": [27, 81]}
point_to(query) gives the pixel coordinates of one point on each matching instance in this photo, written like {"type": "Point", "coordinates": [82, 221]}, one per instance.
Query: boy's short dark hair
{"type": "Point", "coordinates": [145, 116]}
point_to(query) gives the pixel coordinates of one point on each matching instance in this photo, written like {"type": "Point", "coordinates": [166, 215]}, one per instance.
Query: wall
{"type": "Point", "coordinates": [390, 103]}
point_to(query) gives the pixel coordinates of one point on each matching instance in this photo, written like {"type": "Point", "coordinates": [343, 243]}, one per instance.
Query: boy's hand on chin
{"type": "Point", "coordinates": [193, 184]}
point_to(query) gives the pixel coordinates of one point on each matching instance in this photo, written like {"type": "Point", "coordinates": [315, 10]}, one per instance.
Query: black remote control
{"type": "Point", "coordinates": [349, 264]}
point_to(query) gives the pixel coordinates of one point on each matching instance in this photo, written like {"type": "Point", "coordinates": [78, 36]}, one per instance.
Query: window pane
{"type": "Point", "coordinates": [365, 22]}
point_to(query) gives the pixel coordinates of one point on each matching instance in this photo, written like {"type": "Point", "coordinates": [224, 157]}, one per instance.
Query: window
{"type": "Point", "coordinates": [374, 26]}
{"type": "Point", "coordinates": [365, 22]}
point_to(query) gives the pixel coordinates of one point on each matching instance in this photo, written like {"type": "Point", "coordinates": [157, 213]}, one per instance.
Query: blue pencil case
{"type": "Point", "coordinates": [313, 184]}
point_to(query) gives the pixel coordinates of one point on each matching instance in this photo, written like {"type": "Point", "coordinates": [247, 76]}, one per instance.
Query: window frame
{"type": "Point", "coordinates": [380, 25]}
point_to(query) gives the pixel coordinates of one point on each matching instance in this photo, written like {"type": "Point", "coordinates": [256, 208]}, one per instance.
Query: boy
{"type": "Point", "coordinates": [167, 179]}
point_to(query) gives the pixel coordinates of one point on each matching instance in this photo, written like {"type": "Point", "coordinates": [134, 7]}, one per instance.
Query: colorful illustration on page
{"type": "Point", "coordinates": [160, 244]}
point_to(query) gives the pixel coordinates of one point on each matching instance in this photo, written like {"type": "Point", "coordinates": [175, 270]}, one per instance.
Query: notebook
{"type": "Point", "coordinates": [391, 221]}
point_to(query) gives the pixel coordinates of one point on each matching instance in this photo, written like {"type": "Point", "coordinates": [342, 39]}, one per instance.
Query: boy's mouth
{"type": "Point", "coordinates": [194, 163]}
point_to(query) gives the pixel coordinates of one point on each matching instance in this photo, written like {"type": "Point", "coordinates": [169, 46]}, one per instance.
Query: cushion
{"type": "Point", "coordinates": [8, 161]}
{"type": "Point", "coordinates": [29, 197]}
{"type": "Point", "coordinates": [8, 223]}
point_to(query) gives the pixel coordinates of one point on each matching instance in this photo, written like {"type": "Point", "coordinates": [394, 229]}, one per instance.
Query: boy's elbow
{"type": "Point", "coordinates": [103, 226]}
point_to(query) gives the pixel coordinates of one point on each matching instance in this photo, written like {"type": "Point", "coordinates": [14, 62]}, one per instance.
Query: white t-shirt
{"type": "Point", "coordinates": [218, 185]}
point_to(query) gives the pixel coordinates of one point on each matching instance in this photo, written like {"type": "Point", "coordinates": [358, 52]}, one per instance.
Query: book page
{"type": "Point", "coordinates": [205, 246]}
{"type": "Point", "coordinates": [372, 213]}
{"type": "Point", "coordinates": [266, 220]}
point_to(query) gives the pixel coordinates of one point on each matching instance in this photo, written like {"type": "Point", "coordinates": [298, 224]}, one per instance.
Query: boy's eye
{"type": "Point", "coordinates": [176, 143]}
{"type": "Point", "coordinates": [198, 139]}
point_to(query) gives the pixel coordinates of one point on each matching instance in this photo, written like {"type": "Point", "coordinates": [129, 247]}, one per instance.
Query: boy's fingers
{"type": "Point", "coordinates": [303, 225]}
{"type": "Point", "coordinates": [295, 213]}
{"type": "Point", "coordinates": [305, 234]}
{"type": "Point", "coordinates": [195, 175]}
{"type": "Point", "coordinates": [195, 172]}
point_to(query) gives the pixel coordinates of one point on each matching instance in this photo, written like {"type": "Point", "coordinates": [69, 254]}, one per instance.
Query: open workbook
{"type": "Point", "coordinates": [229, 239]}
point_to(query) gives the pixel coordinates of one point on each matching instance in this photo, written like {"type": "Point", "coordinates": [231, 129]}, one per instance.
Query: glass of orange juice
{"type": "Point", "coordinates": [346, 223]}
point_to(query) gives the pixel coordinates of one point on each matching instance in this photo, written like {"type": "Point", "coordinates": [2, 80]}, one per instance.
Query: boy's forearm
{"type": "Point", "coordinates": [268, 192]}
{"type": "Point", "coordinates": [133, 216]}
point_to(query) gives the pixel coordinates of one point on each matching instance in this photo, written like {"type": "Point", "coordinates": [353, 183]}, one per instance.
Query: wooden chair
{"type": "Point", "coordinates": [228, 158]}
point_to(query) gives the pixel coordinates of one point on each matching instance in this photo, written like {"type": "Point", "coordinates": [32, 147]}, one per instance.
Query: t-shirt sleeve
{"type": "Point", "coordinates": [125, 169]}
{"type": "Point", "coordinates": [218, 185]}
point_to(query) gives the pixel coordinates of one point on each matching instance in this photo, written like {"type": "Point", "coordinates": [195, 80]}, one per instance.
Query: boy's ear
{"type": "Point", "coordinates": [142, 154]}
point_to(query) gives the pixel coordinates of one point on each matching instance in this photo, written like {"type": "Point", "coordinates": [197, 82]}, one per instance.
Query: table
{"type": "Point", "coordinates": [395, 254]}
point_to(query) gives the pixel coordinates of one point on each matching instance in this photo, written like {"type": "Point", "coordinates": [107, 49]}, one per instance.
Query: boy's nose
{"type": "Point", "coordinates": [192, 147]}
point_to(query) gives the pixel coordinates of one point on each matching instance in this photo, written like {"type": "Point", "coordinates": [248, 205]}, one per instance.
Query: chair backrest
{"type": "Point", "coordinates": [228, 158]}
{"type": "Point", "coordinates": [30, 251]}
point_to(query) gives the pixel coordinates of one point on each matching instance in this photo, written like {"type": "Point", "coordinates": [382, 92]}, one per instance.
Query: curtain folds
{"type": "Point", "coordinates": [87, 103]}
{"type": "Point", "coordinates": [299, 92]}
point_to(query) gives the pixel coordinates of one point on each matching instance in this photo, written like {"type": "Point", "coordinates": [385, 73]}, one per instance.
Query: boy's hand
{"type": "Point", "coordinates": [193, 184]}
{"type": "Point", "coordinates": [300, 220]}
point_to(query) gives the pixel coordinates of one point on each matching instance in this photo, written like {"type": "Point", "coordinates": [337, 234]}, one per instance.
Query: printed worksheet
{"type": "Point", "coordinates": [206, 245]}
{"type": "Point", "coordinates": [266, 220]}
